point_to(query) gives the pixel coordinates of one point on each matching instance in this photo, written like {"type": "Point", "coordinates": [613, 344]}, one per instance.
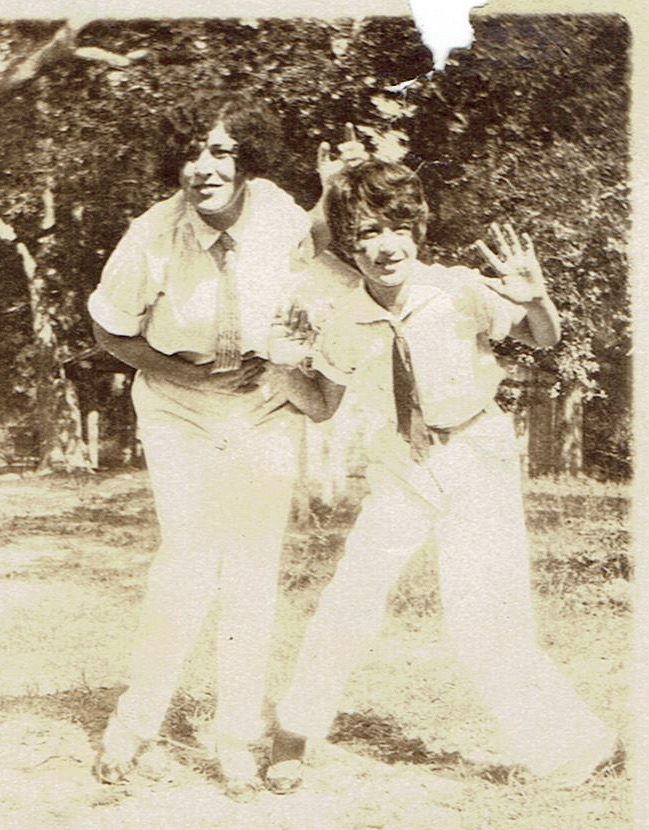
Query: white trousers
{"type": "Point", "coordinates": [222, 515]}
{"type": "Point", "coordinates": [469, 494]}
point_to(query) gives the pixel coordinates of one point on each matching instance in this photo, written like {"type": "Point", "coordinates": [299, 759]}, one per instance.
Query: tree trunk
{"type": "Point", "coordinates": [57, 414]}
{"type": "Point", "coordinates": [569, 427]}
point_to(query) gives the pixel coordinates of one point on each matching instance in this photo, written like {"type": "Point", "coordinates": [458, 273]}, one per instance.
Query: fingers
{"type": "Point", "coordinates": [503, 245]}
{"type": "Point", "coordinates": [511, 252]}
{"type": "Point", "coordinates": [351, 151]}
{"type": "Point", "coordinates": [324, 153]}
{"type": "Point", "coordinates": [513, 240]}
{"type": "Point", "coordinates": [353, 155]}
{"type": "Point", "coordinates": [292, 315]}
{"type": "Point", "coordinates": [349, 132]}
{"type": "Point", "coordinates": [303, 322]}
{"type": "Point", "coordinates": [251, 371]}
{"type": "Point", "coordinates": [527, 239]}
{"type": "Point", "coordinates": [491, 258]}
{"type": "Point", "coordinates": [241, 379]}
{"type": "Point", "coordinates": [251, 362]}
{"type": "Point", "coordinates": [298, 319]}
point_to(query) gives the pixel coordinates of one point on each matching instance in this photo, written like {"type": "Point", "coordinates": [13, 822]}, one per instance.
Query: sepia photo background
{"type": "Point", "coordinates": [531, 125]}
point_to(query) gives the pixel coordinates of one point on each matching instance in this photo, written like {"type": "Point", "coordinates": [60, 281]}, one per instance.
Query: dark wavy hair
{"type": "Point", "coordinates": [251, 123]}
{"type": "Point", "coordinates": [387, 189]}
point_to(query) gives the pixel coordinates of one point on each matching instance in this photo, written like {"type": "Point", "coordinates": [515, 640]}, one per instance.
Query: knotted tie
{"type": "Point", "coordinates": [410, 419]}
{"type": "Point", "coordinates": [228, 321]}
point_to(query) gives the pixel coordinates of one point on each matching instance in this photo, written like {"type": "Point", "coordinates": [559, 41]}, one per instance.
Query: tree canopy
{"type": "Point", "coordinates": [529, 125]}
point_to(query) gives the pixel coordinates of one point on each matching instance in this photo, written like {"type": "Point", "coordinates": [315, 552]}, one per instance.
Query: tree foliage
{"type": "Point", "coordinates": [529, 125]}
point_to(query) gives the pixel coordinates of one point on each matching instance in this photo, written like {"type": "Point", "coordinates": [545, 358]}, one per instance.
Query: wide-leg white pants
{"type": "Point", "coordinates": [222, 489]}
{"type": "Point", "coordinates": [469, 494]}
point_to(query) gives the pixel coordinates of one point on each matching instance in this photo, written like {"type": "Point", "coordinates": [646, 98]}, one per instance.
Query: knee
{"type": "Point", "coordinates": [173, 576]}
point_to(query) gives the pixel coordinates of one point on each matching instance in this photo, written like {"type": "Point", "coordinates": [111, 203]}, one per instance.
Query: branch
{"type": "Point", "coordinates": [96, 53]}
{"type": "Point", "coordinates": [60, 46]}
{"type": "Point", "coordinates": [7, 233]}
{"type": "Point", "coordinates": [27, 68]}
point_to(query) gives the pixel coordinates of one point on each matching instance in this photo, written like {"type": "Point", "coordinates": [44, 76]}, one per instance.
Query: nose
{"type": "Point", "coordinates": [389, 241]}
{"type": "Point", "coordinates": [205, 164]}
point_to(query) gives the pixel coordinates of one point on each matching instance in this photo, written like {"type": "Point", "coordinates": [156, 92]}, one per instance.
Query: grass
{"type": "Point", "coordinates": [73, 566]}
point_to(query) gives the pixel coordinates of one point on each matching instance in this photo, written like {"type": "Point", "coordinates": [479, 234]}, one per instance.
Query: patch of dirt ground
{"type": "Point", "coordinates": [412, 747]}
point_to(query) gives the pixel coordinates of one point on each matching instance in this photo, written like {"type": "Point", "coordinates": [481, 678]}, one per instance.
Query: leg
{"type": "Point", "coordinates": [257, 502]}
{"type": "Point", "coordinates": [266, 465]}
{"type": "Point", "coordinates": [484, 577]}
{"type": "Point", "coordinates": [187, 473]}
{"type": "Point", "coordinates": [392, 525]}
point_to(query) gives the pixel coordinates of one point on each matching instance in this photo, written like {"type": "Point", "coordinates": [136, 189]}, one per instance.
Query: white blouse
{"type": "Point", "coordinates": [448, 319]}
{"type": "Point", "coordinates": [161, 281]}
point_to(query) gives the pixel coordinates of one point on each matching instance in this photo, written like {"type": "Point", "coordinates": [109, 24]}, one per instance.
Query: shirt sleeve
{"type": "Point", "coordinates": [332, 355]}
{"type": "Point", "coordinates": [119, 303]}
{"type": "Point", "coordinates": [297, 223]}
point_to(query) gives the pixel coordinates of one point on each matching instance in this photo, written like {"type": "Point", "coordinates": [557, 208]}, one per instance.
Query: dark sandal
{"type": "Point", "coordinates": [284, 775]}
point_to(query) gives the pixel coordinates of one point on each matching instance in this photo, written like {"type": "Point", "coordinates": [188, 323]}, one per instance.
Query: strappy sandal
{"type": "Point", "coordinates": [118, 753]}
{"type": "Point", "coordinates": [243, 790]}
{"type": "Point", "coordinates": [242, 781]}
{"type": "Point", "coordinates": [284, 775]}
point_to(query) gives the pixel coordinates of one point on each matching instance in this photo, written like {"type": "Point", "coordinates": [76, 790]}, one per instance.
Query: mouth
{"type": "Point", "coordinates": [206, 188]}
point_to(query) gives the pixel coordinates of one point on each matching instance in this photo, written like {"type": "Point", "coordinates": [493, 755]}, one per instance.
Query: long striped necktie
{"type": "Point", "coordinates": [228, 320]}
{"type": "Point", "coordinates": [410, 418]}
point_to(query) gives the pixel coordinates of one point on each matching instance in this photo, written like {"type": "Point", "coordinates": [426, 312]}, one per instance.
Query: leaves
{"type": "Point", "coordinates": [531, 123]}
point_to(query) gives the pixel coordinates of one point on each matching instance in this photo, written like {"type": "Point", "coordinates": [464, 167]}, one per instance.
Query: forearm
{"type": "Point", "coordinates": [319, 229]}
{"type": "Point", "coordinates": [316, 396]}
{"type": "Point", "coordinates": [543, 321]}
{"type": "Point", "coordinates": [137, 353]}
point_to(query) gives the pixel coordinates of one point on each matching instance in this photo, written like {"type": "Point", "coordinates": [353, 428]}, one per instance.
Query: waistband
{"type": "Point", "coordinates": [441, 435]}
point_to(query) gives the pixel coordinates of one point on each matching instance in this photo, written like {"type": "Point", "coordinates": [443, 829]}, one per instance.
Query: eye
{"type": "Point", "coordinates": [367, 233]}
{"type": "Point", "coordinates": [404, 228]}
{"type": "Point", "coordinates": [221, 154]}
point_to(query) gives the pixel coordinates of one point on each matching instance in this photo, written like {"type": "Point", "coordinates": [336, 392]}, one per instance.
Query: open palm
{"type": "Point", "coordinates": [514, 261]}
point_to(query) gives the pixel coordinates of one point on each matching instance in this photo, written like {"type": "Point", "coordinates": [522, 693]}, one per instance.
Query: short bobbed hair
{"type": "Point", "coordinates": [385, 189]}
{"type": "Point", "coordinates": [251, 123]}
{"type": "Point", "coordinates": [255, 128]}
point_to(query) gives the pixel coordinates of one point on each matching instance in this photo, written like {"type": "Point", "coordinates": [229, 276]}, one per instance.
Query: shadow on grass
{"type": "Point", "coordinates": [85, 707]}
{"type": "Point", "coordinates": [369, 735]}
{"type": "Point", "coordinates": [90, 709]}
{"type": "Point", "coordinates": [384, 740]}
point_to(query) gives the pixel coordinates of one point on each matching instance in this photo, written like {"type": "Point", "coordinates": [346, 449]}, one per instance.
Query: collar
{"type": "Point", "coordinates": [206, 235]}
{"type": "Point", "coordinates": [365, 309]}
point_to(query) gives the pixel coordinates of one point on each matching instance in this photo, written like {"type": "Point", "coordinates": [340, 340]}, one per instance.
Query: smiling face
{"type": "Point", "coordinates": [211, 181]}
{"type": "Point", "coordinates": [384, 250]}
{"type": "Point", "coordinates": [376, 213]}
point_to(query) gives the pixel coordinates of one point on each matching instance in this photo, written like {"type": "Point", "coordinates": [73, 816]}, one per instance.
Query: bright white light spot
{"type": "Point", "coordinates": [389, 145]}
{"type": "Point", "coordinates": [444, 26]}
{"type": "Point", "coordinates": [392, 108]}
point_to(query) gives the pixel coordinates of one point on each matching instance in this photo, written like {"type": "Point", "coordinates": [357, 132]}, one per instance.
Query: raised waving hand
{"type": "Point", "coordinates": [515, 263]}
